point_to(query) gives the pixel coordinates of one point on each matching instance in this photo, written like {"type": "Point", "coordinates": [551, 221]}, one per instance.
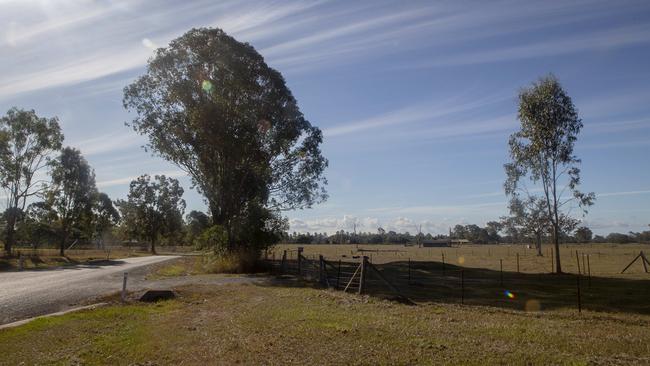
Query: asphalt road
{"type": "Point", "coordinates": [36, 292]}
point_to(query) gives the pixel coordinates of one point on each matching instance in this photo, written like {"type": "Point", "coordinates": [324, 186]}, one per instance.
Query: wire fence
{"type": "Point", "coordinates": [437, 281]}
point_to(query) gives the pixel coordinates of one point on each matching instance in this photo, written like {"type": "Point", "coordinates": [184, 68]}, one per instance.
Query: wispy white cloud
{"type": "Point", "coordinates": [127, 180]}
{"type": "Point", "coordinates": [622, 193]}
{"type": "Point", "coordinates": [422, 113]}
{"type": "Point", "coordinates": [612, 38]}
{"type": "Point", "coordinates": [108, 143]}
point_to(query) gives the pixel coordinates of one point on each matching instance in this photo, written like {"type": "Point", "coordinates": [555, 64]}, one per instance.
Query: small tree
{"type": "Point", "coordinates": [71, 196]}
{"type": "Point", "coordinates": [583, 234]}
{"type": "Point", "coordinates": [105, 217]}
{"type": "Point", "coordinates": [531, 217]}
{"type": "Point", "coordinates": [26, 143]}
{"type": "Point", "coordinates": [542, 150]}
{"type": "Point", "coordinates": [153, 209]}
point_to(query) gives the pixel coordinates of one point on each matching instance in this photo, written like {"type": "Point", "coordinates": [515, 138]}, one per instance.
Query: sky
{"type": "Point", "coordinates": [416, 99]}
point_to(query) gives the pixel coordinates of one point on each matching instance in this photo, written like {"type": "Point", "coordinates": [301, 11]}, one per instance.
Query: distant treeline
{"type": "Point", "coordinates": [490, 234]}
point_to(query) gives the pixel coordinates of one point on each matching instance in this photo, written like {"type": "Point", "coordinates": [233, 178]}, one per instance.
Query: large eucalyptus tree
{"type": "Point", "coordinates": [211, 105]}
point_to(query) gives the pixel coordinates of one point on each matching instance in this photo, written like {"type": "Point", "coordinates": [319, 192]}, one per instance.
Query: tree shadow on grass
{"type": "Point", "coordinates": [433, 282]}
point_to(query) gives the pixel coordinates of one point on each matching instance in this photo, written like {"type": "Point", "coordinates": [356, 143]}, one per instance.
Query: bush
{"type": "Point", "coordinates": [243, 261]}
{"type": "Point", "coordinates": [215, 238]}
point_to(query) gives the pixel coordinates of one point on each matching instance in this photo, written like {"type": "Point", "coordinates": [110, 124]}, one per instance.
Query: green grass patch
{"type": "Point", "coordinates": [252, 324]}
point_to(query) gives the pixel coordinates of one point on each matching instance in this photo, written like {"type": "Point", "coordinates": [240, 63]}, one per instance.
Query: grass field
{"type": "Point", "coordinates": [282, 324]}
{"type": "Point", "coordinates": [605, 259]}
{"type": "Point", "coordinates": [290, 322]}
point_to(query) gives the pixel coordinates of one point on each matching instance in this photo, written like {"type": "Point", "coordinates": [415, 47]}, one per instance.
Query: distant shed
{"type": "Point", "coordinates": [442, 243]}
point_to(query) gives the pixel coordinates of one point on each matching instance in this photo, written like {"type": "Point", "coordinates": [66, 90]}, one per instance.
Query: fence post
{"type": "Point", "coordinates": [578, 261]}
{"type": "Point", "coordinates": [443, 263]}
{"type": "Point", "coordinates": [338, 276]}
{"type": "Point", "coordinates": [588, 271]}
{"type": "Point", "coordinates": [21, 262]}
{"type": "Point", "coordinates": [300, 249]}
{"type": "Point", "coordinates": [283, 264]}
{"type": "Point", "coordinates": [462, 286]}
{"type": "Point", "coordinates": [409, 271]}
{"type": "Point", "coordinates": [321, 269]}
{"type": "Point", "coordinates": [517, 262]}
{"type": "Point", "coordinates": [578, 287]}
{"type": "Point", "coordinates": [584, 267]}
{"type": "Point", "coordinates": [126, 274]}
{"type": "Point", "coordinates": [501, 271]}
{"type": "Point", "coordinates": [362, 277]}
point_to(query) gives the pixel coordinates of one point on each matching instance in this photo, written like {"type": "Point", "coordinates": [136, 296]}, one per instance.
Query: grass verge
{"type": "Point", "coordinates": [254, 324]}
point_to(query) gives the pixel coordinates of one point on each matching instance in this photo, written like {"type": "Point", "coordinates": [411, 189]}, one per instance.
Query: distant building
{"type": "Point", "coordinates": [441, 243]}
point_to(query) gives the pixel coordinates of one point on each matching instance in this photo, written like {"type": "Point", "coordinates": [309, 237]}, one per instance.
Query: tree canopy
{"type": "Point", "coordinates": [211, 105]}
{"type": "Point", "coordinates": [26, 144]}
{"type": "Point", "coordinates": [153, 208]}
{"type": "Point", "coordinates": [72, 196]}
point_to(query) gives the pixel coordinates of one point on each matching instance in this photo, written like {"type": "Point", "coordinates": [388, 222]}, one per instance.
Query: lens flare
{"type": "Point", "coordinates": [207, 86]}
{"type": "Point", "coordinates": [509, 294]}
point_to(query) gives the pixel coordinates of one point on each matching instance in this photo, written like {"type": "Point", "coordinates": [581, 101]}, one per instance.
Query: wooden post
{"type": "Point", "coordinates": [578, 261]}
{"type": "Point", "coordinates": [321, 269]}
{"type": "Point", "coordinates": [126, 274]}
{"type": "Point", "coordinates": [338, 275]}
{"type": "Point", "coordinates": [283, 264]}
{"type": "Point", "coordinates": [409, 271]}
{"type": "Point", "coordinates": [501, 271]}
{"type": "Point", "coordinates": [300, 249]}
{"type": "Point", "coordinates": [588, 271]}
{"type": "Point", "coordinates": [517, 262]}
{"type": "Point", "coordinates": [584, 267]}
{"type": "Point", "coordinates": [578, 287]}
{"type": "Point", "coordinates": [644, 260]}
{"type": "Point", "coordinates": [362, 278]}
{"type": "Point", "coordinates": [443, 263]}
{"type": "Point", "coordinates": [21, 262]}
{"type": "Point", "coordinates": [462, 286]}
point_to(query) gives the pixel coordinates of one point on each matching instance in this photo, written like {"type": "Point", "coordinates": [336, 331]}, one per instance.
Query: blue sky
{"type": "Point", "coordinates": [416, 98]}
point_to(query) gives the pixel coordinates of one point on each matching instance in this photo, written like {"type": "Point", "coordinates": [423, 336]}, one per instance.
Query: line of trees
{"type": "Point", "coordinates": [494, 232]}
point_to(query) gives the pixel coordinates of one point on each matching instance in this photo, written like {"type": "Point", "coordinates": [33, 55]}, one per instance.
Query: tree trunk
{"type": "Point", "coordinates": [556, 241]}
{"type": "Point", "coordinates": [538, 244]}
{"type": "Point", "coordinates": [10, 239]}
{"type": "Point", "coordinates": [153, 245]}
{"type": "Point", "coordinates": [62, 245]}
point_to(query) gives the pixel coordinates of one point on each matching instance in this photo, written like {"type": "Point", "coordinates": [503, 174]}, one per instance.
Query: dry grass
{"type": "Point", "coordinates": [287, 325]}
{"type": "Point", "coordinates": [606, 260]}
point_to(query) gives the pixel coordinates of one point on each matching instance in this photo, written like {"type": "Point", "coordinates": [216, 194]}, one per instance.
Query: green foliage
{"type": "Point", "coordinates": [195, 223]}
{"type": "Point", "coordinates": [211, 105]}
{"type": "Point", "coordinates": [153, 209]}
{"type": "Point", "coordinates": [214, 238]}
{"type": "Point", "coordinates": [72, 196]}
{"type": "Point", "coordinates": [583, 235]}
{"type": "Point", "coordinates": [26, 143]}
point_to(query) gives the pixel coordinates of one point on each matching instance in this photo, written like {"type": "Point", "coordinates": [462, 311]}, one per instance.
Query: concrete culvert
{"type": "Point", "coordinates": [157, 295]}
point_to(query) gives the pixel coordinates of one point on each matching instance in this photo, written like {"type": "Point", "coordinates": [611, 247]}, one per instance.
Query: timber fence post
{"type": "Point", "coordinates": [321, 269]}
{"type": "Point", "coordinates": [363, 275]}
{"type": "Point", "coordinates": [300, 249]}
